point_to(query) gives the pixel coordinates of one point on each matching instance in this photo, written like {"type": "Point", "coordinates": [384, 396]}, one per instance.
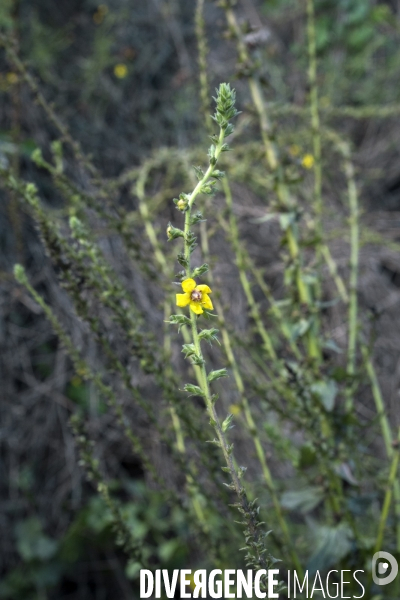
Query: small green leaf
{"type": "Point", "coordinates": [182, 260]}
{"type": "Point", "coordinates": [210, 335]}
{"type": "Point", "coordinates": [199, 172]}
{"type": "Point", "coordinates": [196, 218]}
{"type": "Point", "coordinates": [32, 543]}
{"type": "Point", "coordinates": [326, 392]}
{"type": "Point", "coordinates": [287, 219]}
{"type": "Point", "coordinates": [173, 232]}
{"type": "Point", "coordinates": [179, 320]}
{"type": "Point", "coordinates": [332, 544]}
{"type": "Point", "coordinates": [218, 174]}
{"type": "Point", "coordinates": [193, 390]}
{"type": "Point", "coordinates": [198, 271]}
{"type": "Point", "coordinates": [226, 424]}
{"type": "Point", "coordinates": [300, 328]}
{"type": "Point", "coordinates": [307, 457]}
{"type": "Point", "coordinates": [189, 350]}
{"type": "Point", "coordinates": [304, 500]}
{"type": "Point", "coordinates": [214, 375]}
{"type": "Point", "coordinates": [332, 345]}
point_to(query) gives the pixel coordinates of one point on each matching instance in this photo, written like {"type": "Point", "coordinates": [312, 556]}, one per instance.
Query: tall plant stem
{"type": "Point", "coordinates": [388, 495]}
{"type": "Point", "coordinates": [344, 149]}
{"type": "Point", "coordinates": [247, 413]}
{"type": "Point", "coordinates": [227, 345]}
{"type": "Point", "coordinates": [273, 162]}
{"type": "Point", "coordinates": [386, 431]}
{"type": "Point", "coordinates": [192, 487]}
{"type": "Point", "coordinates": [202, 52]}
{"type": "Point", "coordinates": [390, 489]}
{"type": "Point", "coordinates": [253, 533]}
{"type": "Point", "coordinates": [315, 120]}
{"type": "Point", "coordinates": [243, 263]}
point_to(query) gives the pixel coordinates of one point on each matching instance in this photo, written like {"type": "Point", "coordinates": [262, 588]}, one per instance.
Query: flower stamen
{"type": "Point", "coordinates": [196, 295]}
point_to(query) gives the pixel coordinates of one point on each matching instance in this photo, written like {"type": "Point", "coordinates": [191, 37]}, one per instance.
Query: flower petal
{"type": "Point", "coordinates": [196, 308]}
{"type": "Point", "coordinates": [203, 288]}
{"type": "Point", "coordinates": [188, 285]}
{"type": "Point", "coordinates": [206, 302]}
{"type": "Point", "coordinates": [182, 299]}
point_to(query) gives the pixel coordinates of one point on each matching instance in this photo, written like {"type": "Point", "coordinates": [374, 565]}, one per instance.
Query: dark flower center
{"type": "Point", "coordinates": [195, 296]}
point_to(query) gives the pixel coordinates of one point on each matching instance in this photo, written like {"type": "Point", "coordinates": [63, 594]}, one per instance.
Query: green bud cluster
{"type": "Point", "coordinates": [225, 109]}
{"type": "Point", "coordinates": [173, 232]}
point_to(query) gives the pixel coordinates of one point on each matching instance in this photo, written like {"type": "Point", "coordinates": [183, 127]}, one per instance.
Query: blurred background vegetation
{"type": "Point", "coordinates": [124, 76]}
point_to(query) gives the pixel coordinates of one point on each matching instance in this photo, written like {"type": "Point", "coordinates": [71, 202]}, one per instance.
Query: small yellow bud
{"type": "Point", "coordinates": [308, 161]}
{"type": "Point", "coordinates": [235, 409]}
{"type": "Point", "coordinates": [120, 71]}
{"type": "Point", "coordinates": [181, 204]}
{"type": "Point", "coordinates": [169, 229]}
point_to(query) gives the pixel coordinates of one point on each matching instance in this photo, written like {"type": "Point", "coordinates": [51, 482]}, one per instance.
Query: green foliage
{"type": "Point", "coordinates": [46, 561]}
{"type": "Point", "coordinates": [32, 544]}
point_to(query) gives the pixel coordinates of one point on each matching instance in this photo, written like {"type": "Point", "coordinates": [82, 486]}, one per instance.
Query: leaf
{"type": "Point", "coordinates": [332, 345]}
{"type": "Point", "coordinates": [326, 391]}
{"type": "Point", "coordinates": [188, 350]}
{"type": "Point", "coordinates": [287, 219]}
{"type": "Point", "coordinates": [227, 423]}
{"type": "Point", "coordinates": [307, 457]}
{"type": "Point", "coordinates": [304, 500]}
{"type": "Point", "coordinates": [332, 545]}
{"type": "Point", "coordinates": [182, 260]}
{"type": "Point", "coordinates": [214, 375]}
{"type": "Point", "coordinates": [345, 472]}
{"type": "Point", "coordinates": [168, 548]}
{"type": "Point", "coordinates": [264, 218]}
{"type": "Point", "coordinates": [210, 335]}
{"type": "Point", "coordinates": [299, 328]}
{"type": "Point", "coordinates": [196, 218]}
{"type": "Point", "coordinates": [179, 320]}
{"type": "Point", "coordinates": [199, 173]}
{"type": "Point", "coordinates": [32, 543]}
{"type": "Point", "coordinates": [198, 271]}
{"type": "Point", "coordinates": [193, 390]}
{"type": "Point", "coordinates": [132, 569]}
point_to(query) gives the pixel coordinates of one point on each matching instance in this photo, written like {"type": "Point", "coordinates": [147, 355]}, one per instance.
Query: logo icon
{"type": "Point", "coordinates": [383, 568]}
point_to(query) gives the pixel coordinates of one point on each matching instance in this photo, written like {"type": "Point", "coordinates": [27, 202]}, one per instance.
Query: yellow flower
{"type": "Point", "coordinates": [195, 295]}
{"type": "Point", "coordinates": [308, 161]}
{"type": "Point", "coordinates": [120, 71]}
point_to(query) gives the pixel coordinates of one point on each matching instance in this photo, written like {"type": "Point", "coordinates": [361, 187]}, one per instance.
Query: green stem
{"type": "Point", "coordinates": [390, 490]}
{"type": "Point", "coordinates": [202, 60]}
{"type": "Point", "coordinates": [314, 108]}
{"type": "Point", "coordinates": [251, 426]}
{"type": "Point", "coordinates": [386, 431]}
{"type": "Point", "coordinates": [388, 495]}
{"type": "Point", "coordinates": [272, 159]}
{"type": "Point", "coordinates": [244, 280]}
{"type": "Point", "coordinates": [253, 533]}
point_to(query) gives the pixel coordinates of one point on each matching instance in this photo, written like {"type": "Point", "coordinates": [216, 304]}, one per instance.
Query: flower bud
{"type": "Point", "coordinates": [182, 205]}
